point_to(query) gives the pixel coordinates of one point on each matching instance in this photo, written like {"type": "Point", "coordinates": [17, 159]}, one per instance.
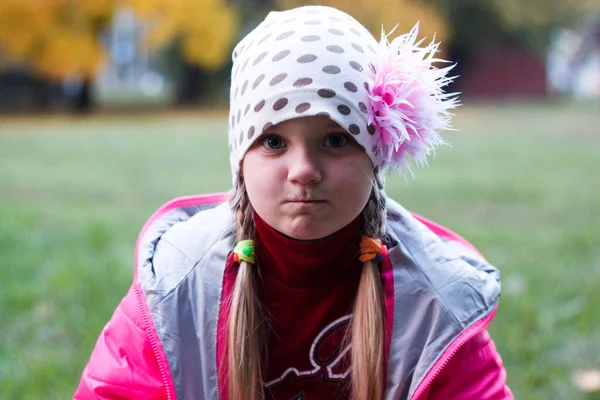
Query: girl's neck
{"type": "Point", "coordinates": [307, 264]}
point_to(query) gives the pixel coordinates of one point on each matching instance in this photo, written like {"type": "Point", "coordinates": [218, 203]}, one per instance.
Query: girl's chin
{"type": "Point", "coordinates": [308, 227]}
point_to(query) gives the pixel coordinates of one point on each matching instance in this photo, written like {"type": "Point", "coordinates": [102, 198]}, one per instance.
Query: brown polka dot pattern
{"type": "Point", "coordinates": [280, 104]}
{"type": "Point", "coordinates": [326, 93]}
{"type": "Point", "coordinates": [246, 110]}
{"type": "Point", "coordinates": [303, 82]}
{"type": "Point", "coordinates": [351, 87]}
{"type": "Point", "coordinates": [251, 131]}
{"type": "Point", "coordinates": [362, 106]}
{"type": "Point", "coordinates": [344, 109]}
{"type": "Point", "coordinates": [371, 129]}
{"type": "Point", "coordinates": [356, 66]}
{"type": "Point", "coordinates": [310, 38]}
{"type": "Point", "coordinates": [285, 35]}
{"type": "Point", "coordinates": [281, 55]}
{"type": "Point", "coordinates": [331, 69]}
{"type": "Point", "coordinates": [267, 126]}
{"type": "Point", "coordinates": [259, 58]}
{"type": "Point", "coordinates": [258, 80]}
{"type": "Point", "coordinates": [358, 48]}
{"type": "Point", "coordinates": [245, 65]}
{"type": "Point", "coordinates": [354, 129]}
{"type": "Point", "coordinates": [335, 49]}
{"type": "Point", "coordinates": [278, 79]}
{"type": "Point", "coordinates": [259, 106]}
{"type": "Point", "coordinates": [307, 58]}
{"type": "Point", "coordinates": [264, 39]}
{"type": "Point", "coordinates": [303, 107]}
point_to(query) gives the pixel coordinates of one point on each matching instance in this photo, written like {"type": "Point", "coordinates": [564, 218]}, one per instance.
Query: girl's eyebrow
{"type": "Point", "coordinates": [331, 125]}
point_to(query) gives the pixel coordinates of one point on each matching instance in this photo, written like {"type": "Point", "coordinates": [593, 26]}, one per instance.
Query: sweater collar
{"type": "Point", "coordinates": [307, 263]}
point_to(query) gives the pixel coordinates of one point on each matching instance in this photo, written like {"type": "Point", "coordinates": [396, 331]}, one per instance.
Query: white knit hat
{"type": "Point", "coordinates": [317, 60]}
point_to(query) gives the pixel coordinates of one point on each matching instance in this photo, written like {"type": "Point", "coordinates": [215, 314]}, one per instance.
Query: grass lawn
{"type": "Point", "coordinates": [522, 182]}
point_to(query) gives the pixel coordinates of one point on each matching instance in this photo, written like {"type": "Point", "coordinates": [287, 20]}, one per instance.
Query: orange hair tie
{"type": "Point", "coordinates": [370, 249]}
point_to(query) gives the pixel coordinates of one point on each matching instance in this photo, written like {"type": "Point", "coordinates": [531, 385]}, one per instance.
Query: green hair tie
{"type": "Point", "coordinates": [244, 251]}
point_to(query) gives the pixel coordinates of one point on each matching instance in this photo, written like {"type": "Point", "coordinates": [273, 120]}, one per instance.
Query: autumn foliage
{"type": "Point", "coordinates": [60, 38]}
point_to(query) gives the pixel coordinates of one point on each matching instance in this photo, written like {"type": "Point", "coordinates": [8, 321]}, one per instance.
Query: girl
{"type": "Point", "coordinates": [309, 283]}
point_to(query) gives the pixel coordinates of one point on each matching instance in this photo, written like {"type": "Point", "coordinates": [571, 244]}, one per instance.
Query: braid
{"type": "Point", "coordinates": [245, 341]}
{"type": "Point", "coordinates": [374, 214]}
{"type": "Point", "coordinates": [243, 211]}
{"type": "Point", "coordinates": [368, 321]}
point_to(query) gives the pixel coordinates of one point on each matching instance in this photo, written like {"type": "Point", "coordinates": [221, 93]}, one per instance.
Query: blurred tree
{"type": "Point", "coordinates": [204, 29]}
{"type": "Point", "coordinates": [374, 14]}
{"type": "Point", "coordinates": [55, 38]}
{"type": "Point", "coordinates": [204, 32]}
{"type": "Point", "coordinates": [60, 39]}
{"type": "Point", "coordinates": [478, 25]}
{"type": "Point", "coordinates": [532, 20]}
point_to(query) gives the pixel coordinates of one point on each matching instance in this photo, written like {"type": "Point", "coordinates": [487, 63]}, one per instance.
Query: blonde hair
{"type": "Point", "coordinates": [246, 343]}
{"type": "Point", "coordinates": [367, 328]}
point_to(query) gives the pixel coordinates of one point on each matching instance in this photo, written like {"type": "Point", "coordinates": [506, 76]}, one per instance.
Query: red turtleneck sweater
{"type": "Point", "coordinates": [307, 289]}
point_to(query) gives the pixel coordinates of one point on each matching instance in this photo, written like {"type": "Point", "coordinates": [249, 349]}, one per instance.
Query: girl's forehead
{"type": "Point", "coordinates": [317, 122]}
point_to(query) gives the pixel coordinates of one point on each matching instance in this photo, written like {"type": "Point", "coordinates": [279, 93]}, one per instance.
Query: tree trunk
{"type": "Point", "coordinates": [82, 101]}
{"type": "Point", "coordinates": [42, 94]}
{"type": "Point", "coordinates": [191, 88]}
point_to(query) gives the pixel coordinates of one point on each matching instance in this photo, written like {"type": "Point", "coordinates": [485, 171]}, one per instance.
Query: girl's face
{"type": "Point", "coordinates": [307, 177]}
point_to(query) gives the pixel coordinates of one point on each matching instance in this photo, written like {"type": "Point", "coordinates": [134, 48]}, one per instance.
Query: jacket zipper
{"type": "Point", "coordinates": [155, 348]}
{"type": "Point", "coordinates": [460, 342]}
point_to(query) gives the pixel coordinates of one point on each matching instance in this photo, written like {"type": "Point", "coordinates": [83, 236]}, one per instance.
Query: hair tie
{"type": "Point", "coordinates": [370, 249]}
{"type": "Point", "coordinates": [244, 251]}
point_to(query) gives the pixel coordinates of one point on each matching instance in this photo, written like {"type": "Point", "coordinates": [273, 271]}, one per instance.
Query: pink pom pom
{"type": "Point", "coordinates": [408, 104]}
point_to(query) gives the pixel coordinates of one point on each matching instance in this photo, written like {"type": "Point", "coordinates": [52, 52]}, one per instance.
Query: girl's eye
{"type": "Point", "coordinates": [335, 140]}
{"type": "Point", "coordinates": [273, 142]}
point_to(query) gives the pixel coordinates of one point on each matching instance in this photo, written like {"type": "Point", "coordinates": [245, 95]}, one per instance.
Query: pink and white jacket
{"type": "Point", "coordinates": [161, 342]}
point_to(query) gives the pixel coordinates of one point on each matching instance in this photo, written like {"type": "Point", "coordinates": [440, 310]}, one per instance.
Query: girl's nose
{"type": "Point", "coordinates": [303, 167]}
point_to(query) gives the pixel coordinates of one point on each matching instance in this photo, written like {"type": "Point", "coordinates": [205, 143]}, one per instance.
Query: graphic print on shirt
{"type": "Point", "coordinates": [330, 365]}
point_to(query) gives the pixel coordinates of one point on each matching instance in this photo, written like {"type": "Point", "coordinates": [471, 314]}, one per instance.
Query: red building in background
{"type": "Point", "coordinates": [506, 73]}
